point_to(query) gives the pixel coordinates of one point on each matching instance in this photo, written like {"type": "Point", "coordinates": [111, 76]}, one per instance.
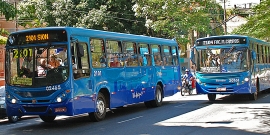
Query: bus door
{"type": "Point", "coordinates": [146, 73]}
{"type": "Point", "coordinates": [80, 73]}
{"type": "Point", "coordinates": [132, 72]}
{"type": "Point", "coordinates": [176, 68]}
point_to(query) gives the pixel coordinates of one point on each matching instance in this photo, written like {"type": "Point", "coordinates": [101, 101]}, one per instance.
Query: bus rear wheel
{"type": "Point", "coordinates": [158, 97]}
{"type": "Point", "coordinates": [100, 112]}
{"type": "Point", "coordinates": [47, 118]}
{"type": "Point", "coordinates": [211, 97]}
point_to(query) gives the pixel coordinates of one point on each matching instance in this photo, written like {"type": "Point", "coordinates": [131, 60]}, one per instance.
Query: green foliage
{"type": "Point", "coordinates": [7, 9]}
{"type": "Point", "coordinates": [3, 40]}
{"type": "Point", "coordinates": [178, 18]}
{"type": "Point", "coordinates": [258, 24]}
{"type": "Point", "coordinates": [4, 32]}
{"type": "Point", "coordinates": [112, 15]}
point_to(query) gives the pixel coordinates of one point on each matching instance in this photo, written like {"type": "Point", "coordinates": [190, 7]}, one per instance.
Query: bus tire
{"type": "Point", "coordinates": [47, 118]}
{"type": "Point", "coordinates": [13, 119]}
{"type": "Point", "coordinates": [100, 112]}
{"type": "Point", "coordinates": [254, 96]}
{"type": "Point", "coordinates": [211, 97]}
{"type": "Point", "coordinates": [158, 97]}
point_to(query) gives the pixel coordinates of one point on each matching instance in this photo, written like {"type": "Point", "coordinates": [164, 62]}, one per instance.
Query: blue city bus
{"type": "Point", "coordinates": [231, 64]}
{"type": "Point", "coordinates": [70, 71]}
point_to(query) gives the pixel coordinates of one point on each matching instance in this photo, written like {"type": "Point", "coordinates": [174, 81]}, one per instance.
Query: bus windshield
{"type": "Point", "coordinates": [36, 66]}
{"type": "Point", "coordinates": [223, 60]}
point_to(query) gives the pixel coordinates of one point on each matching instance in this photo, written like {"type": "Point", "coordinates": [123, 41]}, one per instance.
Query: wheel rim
{"type": "Point", "coordinates": [159, 98]}
{"type": "Point", "coordinates": [14, 118]}
{"type": "Point", "coordinates": [100, 107]}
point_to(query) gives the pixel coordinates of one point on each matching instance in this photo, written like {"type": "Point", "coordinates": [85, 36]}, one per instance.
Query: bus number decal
{"type": "Point", "coordinates": [97, 73]}
{"type": "Point", "coordinates": [232, 80]}
{"type": "Point", "coordinates": [55, 87]}
{"type": "Point", "coordinates": [22, 53]}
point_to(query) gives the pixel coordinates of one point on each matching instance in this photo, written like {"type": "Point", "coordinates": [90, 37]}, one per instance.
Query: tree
{"type": "Point", "coordinates": [258, 24]}
{"type": "Point", "coordinates": [112, 15]}
{"type": "Point", "coordinates": [7, 9]}
{"type": "Point", "coordinates": [176, 18]}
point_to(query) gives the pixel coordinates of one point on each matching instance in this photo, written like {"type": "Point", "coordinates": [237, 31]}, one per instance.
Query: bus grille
{"type": "Point", "coordinates": [35, 109]}
{"type": "Point", "coordinates": [38, 101]}
{"type": "Point", "coordinates": [26, 94]}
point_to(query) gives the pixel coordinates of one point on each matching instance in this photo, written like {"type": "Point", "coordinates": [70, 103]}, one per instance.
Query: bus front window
{"type": "Point", "coordinates": [35, 66]}
{"type": "Point", "coordinates": [223, 60]}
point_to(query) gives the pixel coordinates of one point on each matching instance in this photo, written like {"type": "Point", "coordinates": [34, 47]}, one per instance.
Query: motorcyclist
{"type": "Point", "coordinates": [187, 78]}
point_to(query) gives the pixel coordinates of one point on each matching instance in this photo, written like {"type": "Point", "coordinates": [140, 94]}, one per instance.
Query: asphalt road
{"type": "Point", "coordinates": [179, 115]}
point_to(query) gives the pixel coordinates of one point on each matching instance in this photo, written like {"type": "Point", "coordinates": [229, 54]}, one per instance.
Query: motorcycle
{"type": "Point", "coordinates": [187, 87]}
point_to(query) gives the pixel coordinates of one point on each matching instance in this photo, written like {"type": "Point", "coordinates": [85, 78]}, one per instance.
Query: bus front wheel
{"type": "Point", "coordinates": [100, 112]}
{"type": "Point", "coordinates": [13, 119]}
{"type": "Point", "coordinates": [47, 118]}
{"type": "Point", "coordinates": [254, 96]}
{"type": "Point", "coordinates": [211, 97]}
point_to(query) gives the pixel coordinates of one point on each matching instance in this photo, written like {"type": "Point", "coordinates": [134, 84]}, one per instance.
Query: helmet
{"type": "Point", "coordinates": [187, 70]}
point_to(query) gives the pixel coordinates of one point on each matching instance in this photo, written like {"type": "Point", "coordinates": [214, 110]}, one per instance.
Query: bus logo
{"type": "Point", "coordinates": [34, 101]}
{"type": "Point", "coordinates": [220, 80]}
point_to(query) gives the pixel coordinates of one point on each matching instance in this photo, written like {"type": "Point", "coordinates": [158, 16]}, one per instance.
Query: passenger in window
{"type": "Point", "coordinates": [74, 65]}
{"type": "Point", "coordinates": [142, 61]}
{"type": "Point", "coordinates": [165, 61]}
{"type": "Point", "coordinates": [102, 61]}
{"type": "Point", "coordinates": [27, 67]}
{"type": "Point", "coordinates": [53, 63]}
{"type": "Point", "coordinates": [41, 69]}
{"type": "Point", "coordinates": [149, 60]}
{"type": "Point", "coordinates": [157, 60]}
{"type": "Point", "coordinates": [115, 62]}
{"type": "Point", "coordinates": [129, 61]}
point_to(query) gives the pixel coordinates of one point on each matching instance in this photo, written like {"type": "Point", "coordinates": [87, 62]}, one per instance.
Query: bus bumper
{"type": "Point", "coordinates": [64, 108]}
{"type": "Point", "coordinates": [224, 89]}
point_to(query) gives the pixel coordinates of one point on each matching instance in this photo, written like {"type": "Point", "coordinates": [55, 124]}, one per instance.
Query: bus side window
{"type": "Point", "coordinates": [144, 51]}
{"type": "Point", "coordinates": [98, 56]}
{"type": "Point", "coordinates": [114, 53]}
{"type": "Point", "coordinates": [130, 54]}
{"type": "Point", "coordinates": [157, 55]}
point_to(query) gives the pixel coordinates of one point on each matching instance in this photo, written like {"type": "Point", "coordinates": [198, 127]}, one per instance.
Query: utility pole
{"type": "Point", "coordinates": [225, 23]}
{"type": "Point", "coordinates": [16, 17]}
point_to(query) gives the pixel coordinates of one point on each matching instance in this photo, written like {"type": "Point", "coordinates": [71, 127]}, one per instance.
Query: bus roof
{"type": "Point", "coordinates": [77, 31]}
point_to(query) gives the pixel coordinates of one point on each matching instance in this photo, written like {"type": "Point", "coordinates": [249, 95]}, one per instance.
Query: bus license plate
{"type": "Point", "coordinates": [1, 106]}
{"type": "Point", "coordinates": [221, 89]}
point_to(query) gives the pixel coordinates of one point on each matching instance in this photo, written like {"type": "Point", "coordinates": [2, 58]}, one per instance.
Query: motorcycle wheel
{"type": "Point", "coordinates": [183, 91]}
{"type": "Point", "coordinates": [190, 91]}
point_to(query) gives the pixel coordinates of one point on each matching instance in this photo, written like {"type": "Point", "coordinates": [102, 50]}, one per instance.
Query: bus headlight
{"type": "Point", "coordinates": [13, 101]}
{"type": "Point", "coordinates": [59, 99]}
{"type": "Point", "coordinates": [246, 79]}
{"type": "Point", "coordinates": [11, 98]}
{"type": "Point", "coordinates": [62, 96]}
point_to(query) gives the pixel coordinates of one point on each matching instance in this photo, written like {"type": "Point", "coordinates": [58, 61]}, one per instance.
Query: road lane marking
{"type": "Point", "coordinates": [129, 119]}
{"type": "Point", "coordinates": [180, 105]}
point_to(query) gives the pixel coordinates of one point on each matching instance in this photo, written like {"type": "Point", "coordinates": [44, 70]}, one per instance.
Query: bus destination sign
{"type": "Point", "coordinates": [36, 37]}
{"type": "Point", "coordinates": [221, 41]}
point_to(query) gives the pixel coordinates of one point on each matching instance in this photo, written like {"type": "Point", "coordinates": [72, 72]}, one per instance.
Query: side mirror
{"type": "Point", "coordinates": [253, 53]}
